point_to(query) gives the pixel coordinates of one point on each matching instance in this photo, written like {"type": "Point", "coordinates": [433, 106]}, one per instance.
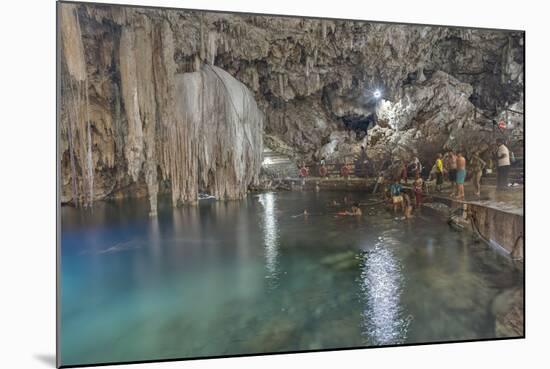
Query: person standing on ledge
{"type": "Point", "coordinates": [476, 166]}
{"type": "Point", "coordinates": [438, 173]}
{"type": "Point", "coordinates": [503, 165]}
{"type": "Point", "coordinates": [451, 167]}
{"type": "Point", "coordinates": [460, 175]}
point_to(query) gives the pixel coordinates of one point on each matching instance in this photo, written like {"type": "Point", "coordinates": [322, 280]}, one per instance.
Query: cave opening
{"type": "Point", "coordinates": [359, 123]}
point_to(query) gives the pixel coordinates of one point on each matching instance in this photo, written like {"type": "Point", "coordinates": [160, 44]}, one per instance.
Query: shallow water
{"type": "Point", "coordinates": [255, 276]}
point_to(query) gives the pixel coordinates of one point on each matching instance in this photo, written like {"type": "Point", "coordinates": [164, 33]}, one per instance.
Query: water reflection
{"type": "Point", "coordinates": [271, 235]}
{"type": "Point", "coordinates": [155, 240]}
{"type": "Point", "coordinates": [381, 287]}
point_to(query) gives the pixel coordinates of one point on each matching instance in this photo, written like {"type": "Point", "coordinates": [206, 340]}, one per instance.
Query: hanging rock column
{"type": "Point", "coordinates": [215, 144]}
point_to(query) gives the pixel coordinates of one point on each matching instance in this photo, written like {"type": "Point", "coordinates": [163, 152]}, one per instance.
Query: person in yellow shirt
{"type": "Point", "coordinates": [439, 172]}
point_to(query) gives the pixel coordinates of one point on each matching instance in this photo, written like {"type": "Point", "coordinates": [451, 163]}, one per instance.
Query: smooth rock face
{"type": "Point", "coordinates": [313, 80]}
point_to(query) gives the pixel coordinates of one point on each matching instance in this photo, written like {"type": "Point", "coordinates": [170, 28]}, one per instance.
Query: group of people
{"type": "Point", "coordinates": [450, 166]}
{"type": "Point", "coordinates": [453, 166]}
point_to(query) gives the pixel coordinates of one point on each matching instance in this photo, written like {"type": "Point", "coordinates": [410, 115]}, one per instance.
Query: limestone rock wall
{"type": "Point", "coordinates": [312, 79]}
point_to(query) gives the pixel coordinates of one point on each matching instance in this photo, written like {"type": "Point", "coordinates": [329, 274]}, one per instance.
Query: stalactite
{"type": "Point", "coordinates": [70, 141]}
{"type": "Point", "coordinates": [203, 130]}
{"type": "Point", "coordinates": [134, 142]}
{"type": "Point", "coordinates": [212, 47]}
{"type": "Point", "coordinates": [89, 154]}
{"type": "Point", "coordinates": [215, 144]}
{"type": "Point", "coordinates": [76, 101]}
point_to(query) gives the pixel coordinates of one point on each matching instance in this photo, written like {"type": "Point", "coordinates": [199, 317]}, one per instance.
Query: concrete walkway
{"type": "Point", "coordinates": [509, 201]}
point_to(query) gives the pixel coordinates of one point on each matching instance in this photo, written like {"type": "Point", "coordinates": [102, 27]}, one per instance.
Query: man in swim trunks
{"type": "Point", "coordinates": [460, 175]}
{"type": "Point", "coordinates": [451, 168]}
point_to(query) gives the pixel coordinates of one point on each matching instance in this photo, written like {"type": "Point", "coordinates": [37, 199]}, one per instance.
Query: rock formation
{"type": "Point", "coordinates": [130, 122]}
{"type": "Point", "coordinates": [133, 81]}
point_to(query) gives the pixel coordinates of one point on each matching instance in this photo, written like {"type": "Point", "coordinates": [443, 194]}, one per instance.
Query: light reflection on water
{"type": "Point", "coordinates": [270, 235]}
{"type": "Point", "coordinates": [381, 286]}
{"type": "Point", "coordinates": [251, 276]}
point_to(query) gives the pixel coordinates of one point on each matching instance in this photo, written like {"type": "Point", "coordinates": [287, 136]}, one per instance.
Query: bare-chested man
{"type": "Point", "coordinates": [451, 169]}
{"type": "Point", "coordinates": [460, 175]}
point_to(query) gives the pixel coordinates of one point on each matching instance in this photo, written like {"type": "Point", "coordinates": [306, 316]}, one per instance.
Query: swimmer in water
{"type": "Point", "coordinates": [355, 211]}
{"type": "Point", "coordinates": [305, 214]}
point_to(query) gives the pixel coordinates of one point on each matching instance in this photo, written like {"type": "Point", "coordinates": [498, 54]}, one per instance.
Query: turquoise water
{"type": "Point", "coordinates": [254, 276]}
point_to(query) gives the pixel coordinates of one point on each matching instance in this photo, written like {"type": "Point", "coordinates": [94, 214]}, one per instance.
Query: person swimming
{"type": "Point", "coordinates": [305, 214]}
{"type": "Point", "coordinates": [355, 211]}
